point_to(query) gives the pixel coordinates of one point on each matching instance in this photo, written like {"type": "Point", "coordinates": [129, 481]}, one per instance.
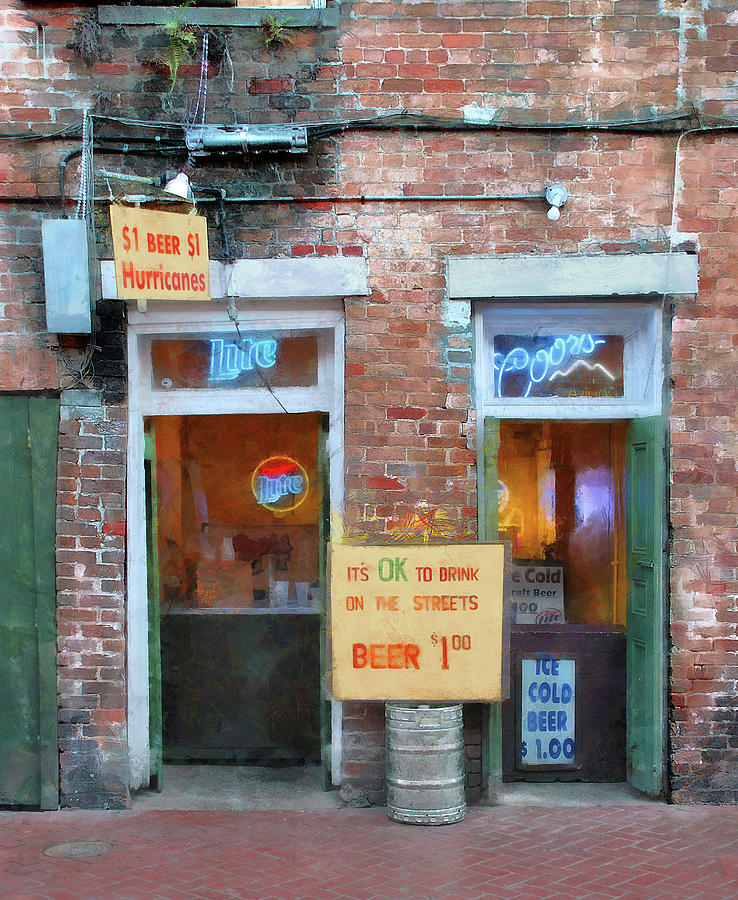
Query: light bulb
{"type": "Point", "coordinates": [554, 213]}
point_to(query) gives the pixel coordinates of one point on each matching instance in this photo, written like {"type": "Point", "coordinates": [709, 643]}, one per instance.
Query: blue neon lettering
{"type": "Point", "coordinates": [228, 361]}
{"type": "Point", "coordinates": [547, 362]}
{"type": "Point", "coordinates": [272, 489]}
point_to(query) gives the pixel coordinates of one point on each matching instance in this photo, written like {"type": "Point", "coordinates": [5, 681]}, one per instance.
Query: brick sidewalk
{"type": "Point", "coordinates": [644, 852]}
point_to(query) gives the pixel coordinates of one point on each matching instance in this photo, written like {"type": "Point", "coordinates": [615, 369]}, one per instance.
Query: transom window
{"type": "Point", "coordinates": [583, 360]}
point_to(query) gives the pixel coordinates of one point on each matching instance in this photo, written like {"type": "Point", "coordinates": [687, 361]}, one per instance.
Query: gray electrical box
{"type": "Point", "coordinates": [70, 275]}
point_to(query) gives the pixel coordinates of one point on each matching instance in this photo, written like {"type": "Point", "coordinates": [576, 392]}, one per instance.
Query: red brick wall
{"type": "Point", "coordinates": [704, 510]}
{"type": "Point", "coordinates": [91, 601]}
{"type": "Point", "coordinates": [410, 429]}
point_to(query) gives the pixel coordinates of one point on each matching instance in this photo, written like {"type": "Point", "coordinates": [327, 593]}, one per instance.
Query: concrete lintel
{"type": "Point", "coordinates": [307, 277]}
{"type": "Point", "coordinates": [518, 277]}
{"type": "Point", "coordinates": [299, 278]}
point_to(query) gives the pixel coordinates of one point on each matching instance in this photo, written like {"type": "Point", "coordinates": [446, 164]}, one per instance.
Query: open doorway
{"type": "Point", "coordinates": [235, 514]}
{"type": "Point", "coordinates": [581, 503]}
{"type": "Point", "coordinates": [561, 504]}
{"type": "Point", "coordinates": [574, 477]}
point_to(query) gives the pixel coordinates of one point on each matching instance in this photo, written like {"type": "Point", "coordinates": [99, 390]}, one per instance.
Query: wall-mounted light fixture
{"type": "Point", "coordinates": [171, 182]}
{"type": "Point", "coordinates": [556, 197]}
{"type": "Point", "coordinates": [179, 186]}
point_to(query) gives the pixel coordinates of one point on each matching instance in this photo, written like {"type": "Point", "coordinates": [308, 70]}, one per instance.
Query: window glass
{"type": "Point", "coordinates": [560, 504]}
{"type": "Point", "coordinates": [239, 501]}
{"type": "Point", "coordinates": [258, 359]}
{"type": "Point", "coordinates": [565, 365]}
{"type": "Point", "coordinates": [595, 360]}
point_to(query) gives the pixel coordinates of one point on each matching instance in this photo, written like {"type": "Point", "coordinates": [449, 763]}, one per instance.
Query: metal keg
{"type": "Point", "coordinates": [425, 763]}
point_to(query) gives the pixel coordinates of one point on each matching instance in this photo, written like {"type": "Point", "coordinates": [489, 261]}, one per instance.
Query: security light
{"type": "Point", "coordinates": [556, 196]}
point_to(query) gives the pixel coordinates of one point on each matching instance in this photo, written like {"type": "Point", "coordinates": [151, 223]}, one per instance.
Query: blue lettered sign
{"type": "Point", "coordinates": [547, 712]}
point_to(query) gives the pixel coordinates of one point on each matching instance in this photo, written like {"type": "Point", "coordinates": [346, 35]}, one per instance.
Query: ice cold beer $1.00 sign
{"type": "Point", "coordinates": [417, 622]}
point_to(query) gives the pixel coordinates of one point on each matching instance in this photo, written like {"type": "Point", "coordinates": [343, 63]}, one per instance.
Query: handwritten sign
{"type": "Point", "coordinates": [537, 594]}
{"type": "Point", "coordinates": [417, 623]}
{"type": "Point", "coordinates": [547, 712]}
{"type": "Point", "coordinates": [160, 255]}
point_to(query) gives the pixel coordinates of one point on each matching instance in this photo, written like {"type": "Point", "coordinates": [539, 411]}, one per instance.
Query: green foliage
{"type": "Point", "coordinates": [181, 45]}
{"type": "Point", "coordinates": [275, 32]}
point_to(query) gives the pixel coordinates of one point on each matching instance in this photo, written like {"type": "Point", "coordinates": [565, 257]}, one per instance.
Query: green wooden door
{"type": "Point", "coordinates": [29, 767]}
{"type": "Point", "coordinates": [645, 616]}
{"type": "Point", "coordinates": [152, 578]}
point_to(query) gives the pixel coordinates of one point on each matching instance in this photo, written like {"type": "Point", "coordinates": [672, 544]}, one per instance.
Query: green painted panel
{"type": "Point", "coordinates": [28, 726]}
{"type": "Point", "coordinates": [324, 526]}
{"type": "Point", "coordinates": [156, 762]}
{"type": "Point", "coordinates": [43, 414]}
{"type": "Point", "coordinates": [492, 747]}
{"type": "Point", "coordinates": [646, 661]}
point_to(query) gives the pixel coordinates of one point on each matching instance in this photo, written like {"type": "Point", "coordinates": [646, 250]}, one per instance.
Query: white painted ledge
{"type": "Point", "coordinates": [536, 277]}
{"type": "Point", "coordinates": [308, 278]}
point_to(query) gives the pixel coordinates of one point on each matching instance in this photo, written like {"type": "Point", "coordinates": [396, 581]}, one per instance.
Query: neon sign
{"type": "Point", "coordinates": [280, 483]}
{"type": "Point", "coordinates": [228, 360]}
{"type": "Point", "coordinates": [533, 360]}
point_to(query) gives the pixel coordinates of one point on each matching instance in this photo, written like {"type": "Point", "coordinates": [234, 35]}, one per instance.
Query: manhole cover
{"type": "Point", "coordinates": [78, 849]}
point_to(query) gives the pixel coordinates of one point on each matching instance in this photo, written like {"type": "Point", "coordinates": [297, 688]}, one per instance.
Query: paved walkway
{"type": "Point", "coordinates": [513, 852]}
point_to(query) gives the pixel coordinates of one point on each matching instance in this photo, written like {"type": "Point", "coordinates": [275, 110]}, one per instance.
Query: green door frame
{"type": "Point", "coordinates": [487, 465]}
{"type": "Point", "coordinates": [156, 751]}
{"type": "Point", "coordinates": [324, 532]}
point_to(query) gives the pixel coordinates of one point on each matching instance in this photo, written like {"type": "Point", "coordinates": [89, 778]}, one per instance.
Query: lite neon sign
{"type": "Point", "coordinates": [561, 358]}
{"type": "Point", "coordinates": [229, 360]}
{"type": "Point", "coordinates": [280, 483]}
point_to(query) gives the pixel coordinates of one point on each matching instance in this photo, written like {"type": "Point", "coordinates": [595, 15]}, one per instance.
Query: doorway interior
{"type": "Point", "coordinates": [238, 512]}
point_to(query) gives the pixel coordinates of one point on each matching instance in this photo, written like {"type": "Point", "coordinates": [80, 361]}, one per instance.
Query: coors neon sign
{"type": "Point", "coordinates": [584, 365]}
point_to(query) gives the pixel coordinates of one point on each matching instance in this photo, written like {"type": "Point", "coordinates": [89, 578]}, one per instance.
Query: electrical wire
{"type": "Point", "coordinates": [404, 119]}
{"type": "Point", "coordinates": [85, 367]}
{"type": "Point", "coordinates": [232, 311]}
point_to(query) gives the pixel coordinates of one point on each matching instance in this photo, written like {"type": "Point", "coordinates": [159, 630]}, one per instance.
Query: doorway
{"type": "Point", "coordinates": [574, 478]}
{"type": "Point", "coordinates": [235, 455]}
{"type": "Point", "coordinates": [581, 504]}
{"type": "Point", "coordinates": [236, 513]}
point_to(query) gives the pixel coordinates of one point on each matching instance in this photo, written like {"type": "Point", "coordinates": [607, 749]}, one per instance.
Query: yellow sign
{"type": "Point", "coordinates": [160, 255]}
{"type": "Point", "coordinates": [417, 623]}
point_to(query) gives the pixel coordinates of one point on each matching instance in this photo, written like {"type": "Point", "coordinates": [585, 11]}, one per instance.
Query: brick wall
{"type": "Point", "coordinates": [410, 428]}
{"type": "Point", "coordinates": [704, 511]}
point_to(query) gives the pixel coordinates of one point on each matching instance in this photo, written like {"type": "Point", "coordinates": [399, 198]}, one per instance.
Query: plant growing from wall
{"type": "Point", "coordinates": [86, 41]}
{"type": "Point", "coordinates": [275, 32]}
{"type": "Point", "coordinates": [181, 44]}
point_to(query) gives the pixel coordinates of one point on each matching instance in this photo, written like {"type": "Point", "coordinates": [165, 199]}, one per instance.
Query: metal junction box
{"type": "Point", "coordinates": [70, 276]}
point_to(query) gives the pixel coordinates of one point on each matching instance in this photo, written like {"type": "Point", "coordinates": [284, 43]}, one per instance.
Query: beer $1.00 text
{"type": "Point", "coordinates": [395, 569]}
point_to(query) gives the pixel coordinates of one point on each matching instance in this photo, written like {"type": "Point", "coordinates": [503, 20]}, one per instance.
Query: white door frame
{"type": "Point", "coordinates": [328, 396]}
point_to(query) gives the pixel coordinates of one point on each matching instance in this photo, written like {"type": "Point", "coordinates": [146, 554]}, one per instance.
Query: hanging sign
{"type": "Point", "coordinates": [547, 712]}
{"type": "Point", "coordinates": [417, 622]}
{"type": "Point", "coordinates": [160, 255]}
